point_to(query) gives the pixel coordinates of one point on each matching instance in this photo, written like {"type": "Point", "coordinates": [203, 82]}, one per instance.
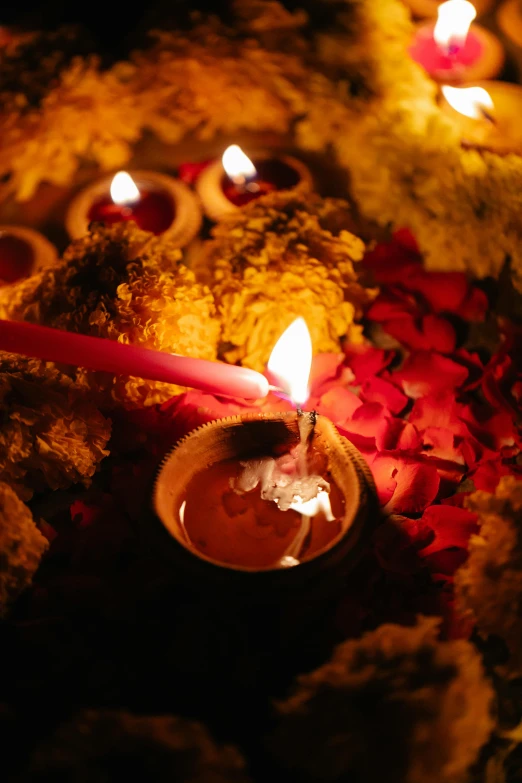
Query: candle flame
{"type": "Point", "coordinates": [123, 189]}
{"type": "Point", "coordinates": [237, 165]}
{"type": "Point", "coordinates": [291, 360]}
{"type": "Point", "coordinates": [470, 101]}
{"type": "Point", "coordinates": [453, 23]}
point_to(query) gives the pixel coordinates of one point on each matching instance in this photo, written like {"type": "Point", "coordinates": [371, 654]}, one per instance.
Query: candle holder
{"type": "Point", "coordinates": [252, 437]}
{"type": "Point", "coordinates": [185, 213]}
{"type": "Point", "coordinates": [481, 57]}
{"type": "Point", "coordinates": [23, 252]}
{"type": "Point", "coordinates": [282, 172]}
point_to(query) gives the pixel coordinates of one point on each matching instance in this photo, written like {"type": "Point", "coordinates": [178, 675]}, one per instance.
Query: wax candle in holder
{"type": "Point", "coordinates": [155, 202]}
{"type": "Point", "coordinates": [228, 184]}
{"type": "Point", "coordinates": [427, 9]}
{"type": "Point", "coordinates": [265, 493]}
{"type": "Point", "coordinates": [23, 251]}
{"type": "Point", "coordinates": [454, 50]}
{"type": "Point", "coordinates": [487, 115]}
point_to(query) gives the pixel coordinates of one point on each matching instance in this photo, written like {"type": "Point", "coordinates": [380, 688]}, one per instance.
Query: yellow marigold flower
{"type": "Point", "coordinates": [489, 584]}
{"type": "Point", "coordinates": [21, 546]}
{"type": "Point", "coordinates": [122, 284]}
{"type": "Point", "coordinates": [285, 255]}
{"type": "Point", "coordinates": [59, 110]}
{"type": "Point", "coordinates": [396, 705]}
{"type": "Point", "coordinates": [52, 435]}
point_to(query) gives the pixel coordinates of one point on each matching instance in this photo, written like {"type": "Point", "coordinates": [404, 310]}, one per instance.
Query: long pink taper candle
{"type": "Point", "coordinates": [95, 353]}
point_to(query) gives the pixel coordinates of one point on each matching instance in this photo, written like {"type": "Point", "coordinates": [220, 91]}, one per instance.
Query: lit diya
{"type": "Point", "coordinates": [488, 115]}
{"type": "Point", "coordinates": [23, 251]}
{"type": "Point", "coordinates": [267, 492]}
{"type": "Point", "coordinates": [227, 185]}
{"type": "Point", "coordinates": [155, 202]}
{"type": "Point", "coordinates": [455, 50]}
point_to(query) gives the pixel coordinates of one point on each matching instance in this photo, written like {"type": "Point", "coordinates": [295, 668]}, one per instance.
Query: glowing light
{"type": "Point", "coordinates": [237, 165]}
{"type": "Point", "coordinates": [123, 189]}
{"type": "Point", "coordinates": [453, 23]}
{"type": "Point", "coordinates": [470, 101]}
{"type": "Point", "coordinates": [291, 360]}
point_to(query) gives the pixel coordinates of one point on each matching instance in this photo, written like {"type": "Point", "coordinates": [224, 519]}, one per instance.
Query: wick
{"type": "Point", "coordinates": [299, 410]}
{"type": "Point", "coordinates": [487, 116]}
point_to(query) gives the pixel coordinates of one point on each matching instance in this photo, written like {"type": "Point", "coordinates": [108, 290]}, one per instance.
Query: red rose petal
{"type": "Point", "coordinates": [393, 305]}
{"type": "Point", "coordinates": [326, 369]}
{"type": "Point", "coordinates": [397, 542]}
{"type": "Point", "coordinates": [452, 526]}
{"type": "Point", "coordinates": [365, 360]}
{"type": "Point", "coordinates": [475, 305]}
{"type": "Point", "coordinates": [366, 425]}
{"type": "Point", "coordinates": [338, 404]}
{"type": "Point", "coordinates": [426, 373]}
{"type": "Point", "coordinates": [417, 483]}
{"type": "Point", "coordinates": [399, 435]}
{"type": "Point", "coordinates": [379, 390]}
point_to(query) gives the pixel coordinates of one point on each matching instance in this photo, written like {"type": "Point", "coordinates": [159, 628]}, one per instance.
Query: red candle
{"type": "Point", "coordinates": [95, 353]}
{"type": "Point", "coordinates": [453, 50]}
{"type": "Point", "coordinates": [16, 257]}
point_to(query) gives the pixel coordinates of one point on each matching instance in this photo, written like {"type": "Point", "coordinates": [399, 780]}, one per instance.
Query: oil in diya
{"type": "Point", "coordinates": [263, 496]}
{"type": "Point", "coordinates": [229, 184]}
{"type": "Point", "coordinates": [454, 50]}
{"type": "Point", "coordinates": [155, 202]}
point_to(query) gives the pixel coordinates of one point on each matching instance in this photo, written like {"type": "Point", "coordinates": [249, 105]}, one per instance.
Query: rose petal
{"type": "Point", "coordinates": [417, 483]}
{"type": "Point", "coordinates": [326, 369]}
{"type": "Point", "coordinates": [366, 425]}
{"type": "Point", "coordinates": [379, 390]}
{"type": "Point", "coordinates": [426, 373]}
{"type": "Point", "coordinates": [397, 542]}
{"type": "Point", "coordinates": [452, 526]}
{"type": "Point", "coordinates": [338, 404]}
{"type": "Point", "coordinates": [365, 360]}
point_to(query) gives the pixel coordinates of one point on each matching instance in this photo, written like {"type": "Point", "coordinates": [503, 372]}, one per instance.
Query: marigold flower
{"type": "Point", "coordinates": [489, 585]}
{"type": "Point", "coordinates": [97, 744]}
{"type": "Point", "coordinates": [52, 434]}
{"type": "Point", "coordinates": [122, 284]}
{"type": "Point", "coordinates": [396, 704]}
{"type": "Point", "coordinates": [21, 546]}
{"type": "Point", "coordinates": [283, 256]}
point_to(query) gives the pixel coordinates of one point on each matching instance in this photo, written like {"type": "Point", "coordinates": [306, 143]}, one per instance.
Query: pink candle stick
{"type": "Point", "coordinates": [95, 353]}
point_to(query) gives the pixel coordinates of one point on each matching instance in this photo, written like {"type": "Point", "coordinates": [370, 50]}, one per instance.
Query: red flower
{"type": "Point", "coordinates": [376, 389]}
{"type": "Point", "coordinates": [365, 360]}
{"type": "Point", "coordinates": [426, 372]}
{"type": "Point", "coordinates": [405, 485]}
{"type": "Point", "coordinates": [451, 525]}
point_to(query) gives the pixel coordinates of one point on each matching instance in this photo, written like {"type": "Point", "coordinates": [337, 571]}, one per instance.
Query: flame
{"type": "Point", "coordinates": [291, 360]}
{"type": "Point", "coordinates": [237, 165]}
{"type": "Point", "coordinates": [453, 23]}
{"type": "Point", "coordinates": [470, 101]}
{"type": "Point", "coordinates": [123, 189]}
